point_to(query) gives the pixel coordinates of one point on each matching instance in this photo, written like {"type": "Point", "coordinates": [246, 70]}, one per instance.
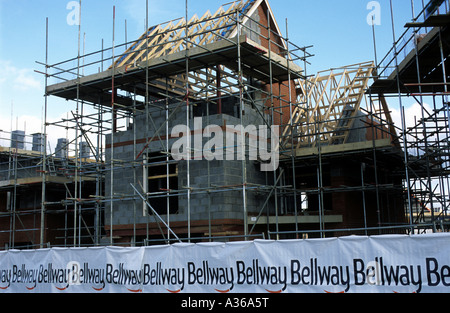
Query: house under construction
{"type": "Point", "coordinates": [212, 85]}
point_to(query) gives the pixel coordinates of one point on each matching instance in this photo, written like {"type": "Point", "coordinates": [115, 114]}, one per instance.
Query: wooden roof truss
{"type": "Point", "coordinates": [328, 105]}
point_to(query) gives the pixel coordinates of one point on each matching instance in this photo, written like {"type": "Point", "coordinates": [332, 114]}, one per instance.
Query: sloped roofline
{"type": "Point", "coordinates": [252, 10]}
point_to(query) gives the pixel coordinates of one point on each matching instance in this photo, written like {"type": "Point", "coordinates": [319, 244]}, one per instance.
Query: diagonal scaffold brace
{"type": "Point", "coordinates": [156, 214]}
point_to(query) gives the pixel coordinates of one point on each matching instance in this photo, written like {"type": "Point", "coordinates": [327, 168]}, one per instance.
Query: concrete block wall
{"type": "Point", "coordinates": [203, 173]}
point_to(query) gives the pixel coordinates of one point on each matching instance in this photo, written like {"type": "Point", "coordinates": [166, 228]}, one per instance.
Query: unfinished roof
{"type": "Point", "coordinates": [329, 105]}
{"type": "Point", "coordinates": [213, 40]}
{"type": "Point", "coordinates": [240, 38]}
{"type": "Point", "coordinates": [165, 39]}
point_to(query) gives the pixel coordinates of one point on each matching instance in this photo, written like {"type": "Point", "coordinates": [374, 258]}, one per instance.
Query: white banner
{"type": "Point", "coordinates": [406, 264]}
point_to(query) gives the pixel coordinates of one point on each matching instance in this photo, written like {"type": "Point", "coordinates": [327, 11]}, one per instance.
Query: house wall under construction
{"type": "Point", "coordinates": [168, 151]}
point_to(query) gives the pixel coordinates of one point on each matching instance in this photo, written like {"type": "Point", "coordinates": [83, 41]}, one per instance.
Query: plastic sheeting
{"type": "Point", "coordinates": [407, 264]}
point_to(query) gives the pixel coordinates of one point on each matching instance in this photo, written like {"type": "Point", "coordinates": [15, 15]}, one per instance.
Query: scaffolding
{"type": "Point", "coordinates": [416, 68]}
{"type": "Point", "coordinates": [114, 180]}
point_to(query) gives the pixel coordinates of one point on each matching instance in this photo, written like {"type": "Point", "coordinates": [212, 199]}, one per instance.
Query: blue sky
{"type": "Point", "coordinates": [337, 29]}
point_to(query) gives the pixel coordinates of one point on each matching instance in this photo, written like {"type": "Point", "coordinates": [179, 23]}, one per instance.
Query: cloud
{"type": "Point", "coordinates": [413, 113]}
{"type": "Point", "coordinates": [17, 79]}
{"type": "Point", "coordinates": [25, 80]}
{"type": "Point", "coordinates": [413, 116]}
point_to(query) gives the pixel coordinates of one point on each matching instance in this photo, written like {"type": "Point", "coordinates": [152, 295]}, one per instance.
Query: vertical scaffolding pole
{"type": "Point", "coordinates": [75, 213]}
{"type": "Point", "coordinates": [99, 174]}
{"type": "Point", "coordinates": [375, 162]}
{"type": "Point", "coordinates": [291, 121]}
{"type": "Point", "coordinates": [241, 113]}
{"type": "Point", "coordinates": [273, 111]}
{"type": "Point", "coordinates": [14, 214]}
{"type": "Point", "coordinates": [44, 151]}
{"type": "Point", "coordinates": [167, 161]}
{"type": "Point", "coordinates": [112, 132]}
{"type": "Point", "coordinates": [402, 115]}
{"type": "Point", "coordinates": [424, 129]}
{"type": "Point", "coordinates": [188, 132]}
{"type": "Point", "coordinates": [134, 167]}
{"type": "Point", "coordinates": [445, 103]}
{"type": "Point", "coordinates": [147, 120]}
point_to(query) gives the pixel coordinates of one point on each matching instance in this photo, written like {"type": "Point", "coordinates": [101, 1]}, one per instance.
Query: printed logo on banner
{"type": "Point", "coordinates": [74, 276]}
{"type": "Point", "coordinates": [247, 271]}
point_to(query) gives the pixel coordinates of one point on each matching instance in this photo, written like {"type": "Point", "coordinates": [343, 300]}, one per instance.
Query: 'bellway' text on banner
{"type": "Point", "coordinates": [419, 263]}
